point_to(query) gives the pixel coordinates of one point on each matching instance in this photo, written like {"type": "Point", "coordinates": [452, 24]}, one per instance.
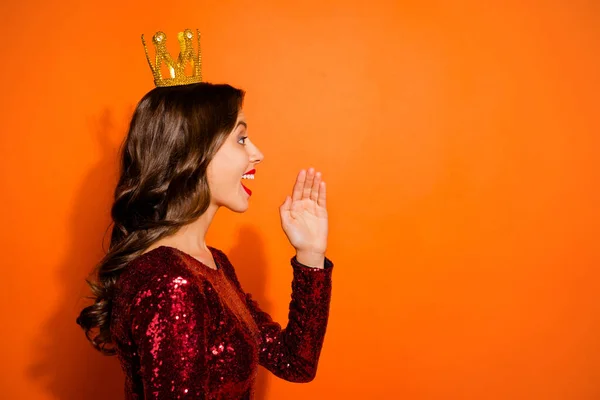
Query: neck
{"type": "Point", "coordinates": [191, 238]}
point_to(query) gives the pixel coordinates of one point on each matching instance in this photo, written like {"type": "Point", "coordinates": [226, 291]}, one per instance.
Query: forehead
{"type": "Point", "coordinates": [240, 124]}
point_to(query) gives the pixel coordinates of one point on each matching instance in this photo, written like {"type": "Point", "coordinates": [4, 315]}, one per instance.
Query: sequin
{"type": "Point", "coordinates": [186, 331]}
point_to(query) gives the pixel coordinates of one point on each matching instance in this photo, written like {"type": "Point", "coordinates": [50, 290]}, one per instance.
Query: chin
{"type": "Point", "coordinates": [237, 209]}
{"type": "Point", "coordinates": [240, 206]}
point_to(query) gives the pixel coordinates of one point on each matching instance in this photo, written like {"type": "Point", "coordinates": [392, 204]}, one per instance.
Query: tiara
{"type": "Point", "coordinates": [176, 68]}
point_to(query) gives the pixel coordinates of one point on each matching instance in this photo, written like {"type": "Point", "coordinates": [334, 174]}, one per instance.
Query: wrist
{"type": "Point", "coordinates": [311, 259]}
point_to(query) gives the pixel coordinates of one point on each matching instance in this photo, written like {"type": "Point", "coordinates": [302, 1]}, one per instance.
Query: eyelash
{"type": "Point", "coordinates": [245, 137]}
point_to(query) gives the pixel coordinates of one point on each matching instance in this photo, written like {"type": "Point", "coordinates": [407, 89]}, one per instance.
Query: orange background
{"type": "Point", "coordinates": [459, 143]}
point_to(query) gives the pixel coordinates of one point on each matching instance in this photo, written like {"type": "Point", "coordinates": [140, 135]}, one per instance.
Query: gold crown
{"type": "Point", "coordinates": [176, 69]}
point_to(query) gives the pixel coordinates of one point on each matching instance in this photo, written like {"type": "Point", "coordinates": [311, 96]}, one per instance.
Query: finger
{"type": "Point", "coordinates": [285, 210]}
{"type": "Point", "coordinates": [322, 195]}
{"type": "Point", "coordinates": [286, 204]}
{"type": "Point", "coordinates": [308, 183]}
{"type": "Point", "coordinates": [314, 193]}
{"type": "Point", "coordinates": [299, 185]}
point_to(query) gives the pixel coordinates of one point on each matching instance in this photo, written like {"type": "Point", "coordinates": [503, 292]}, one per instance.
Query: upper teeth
{"type": "Point", "coordinates": [248, 176]}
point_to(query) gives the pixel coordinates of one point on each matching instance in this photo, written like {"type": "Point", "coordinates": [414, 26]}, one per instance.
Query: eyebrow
{"type": "Point", "coordinates": [241, 123]}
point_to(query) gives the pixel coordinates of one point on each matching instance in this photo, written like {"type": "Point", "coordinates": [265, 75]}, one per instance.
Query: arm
{"type": "Point", "coordinates": [168, 328]}
{"type": "Point", "coordinates": [293, 353]}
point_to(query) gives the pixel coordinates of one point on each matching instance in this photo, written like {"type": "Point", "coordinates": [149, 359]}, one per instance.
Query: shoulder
{"type": "Point", "coordinates": [159, 270]}
{"type": "Point", "coordinates": [152, 263]}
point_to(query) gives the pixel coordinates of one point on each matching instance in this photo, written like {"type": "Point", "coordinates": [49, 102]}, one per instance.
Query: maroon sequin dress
{"type": "Point", "coordinates": [183, 330]}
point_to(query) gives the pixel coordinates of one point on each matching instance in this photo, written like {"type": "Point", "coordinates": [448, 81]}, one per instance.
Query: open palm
{"type": "Point", "coordinates": [304, 214]}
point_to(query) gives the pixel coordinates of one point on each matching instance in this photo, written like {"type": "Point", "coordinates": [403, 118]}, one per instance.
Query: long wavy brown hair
{"type": "Point", "coordinates": [173, 136]}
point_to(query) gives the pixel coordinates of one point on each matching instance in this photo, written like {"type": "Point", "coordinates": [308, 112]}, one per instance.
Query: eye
{"type": "Point", "coordinates": [244, 139]}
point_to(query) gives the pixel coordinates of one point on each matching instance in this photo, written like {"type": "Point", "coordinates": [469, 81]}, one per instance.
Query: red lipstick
{"type": "Point", "coordinates": [251, 172]}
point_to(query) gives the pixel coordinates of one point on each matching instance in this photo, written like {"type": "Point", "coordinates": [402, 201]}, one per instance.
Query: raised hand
{"type": "Point", "coordinates": [304, 215]}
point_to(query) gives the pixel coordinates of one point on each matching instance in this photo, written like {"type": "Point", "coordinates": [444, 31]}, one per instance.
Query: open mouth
{"type": "Point", "coordinates": [248, 175]}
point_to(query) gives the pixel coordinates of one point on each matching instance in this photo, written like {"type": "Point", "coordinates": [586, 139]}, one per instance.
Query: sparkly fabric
{"type": "Point", "coordinates": [186, 331]}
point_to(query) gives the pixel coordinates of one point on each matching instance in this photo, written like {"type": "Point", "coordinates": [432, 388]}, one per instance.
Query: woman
{"type": "Point", "coordinates": [170, 306]}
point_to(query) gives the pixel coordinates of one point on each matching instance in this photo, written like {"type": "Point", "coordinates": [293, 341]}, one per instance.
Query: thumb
{"type": "Point", "coordinates": [286, 204]}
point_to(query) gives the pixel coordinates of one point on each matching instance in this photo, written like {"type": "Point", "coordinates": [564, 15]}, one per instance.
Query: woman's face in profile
{"type": "Point", "coordinates": [236, 156]}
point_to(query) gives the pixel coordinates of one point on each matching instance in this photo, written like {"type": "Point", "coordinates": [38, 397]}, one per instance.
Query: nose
{"type": "Point", "coordinates": [257, 156]}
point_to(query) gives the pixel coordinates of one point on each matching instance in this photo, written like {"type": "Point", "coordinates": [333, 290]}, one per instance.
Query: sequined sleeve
{"type": "Point", "coordinates": [293, 353]}
{"type": "Point", "coordinates": [168, 330]}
